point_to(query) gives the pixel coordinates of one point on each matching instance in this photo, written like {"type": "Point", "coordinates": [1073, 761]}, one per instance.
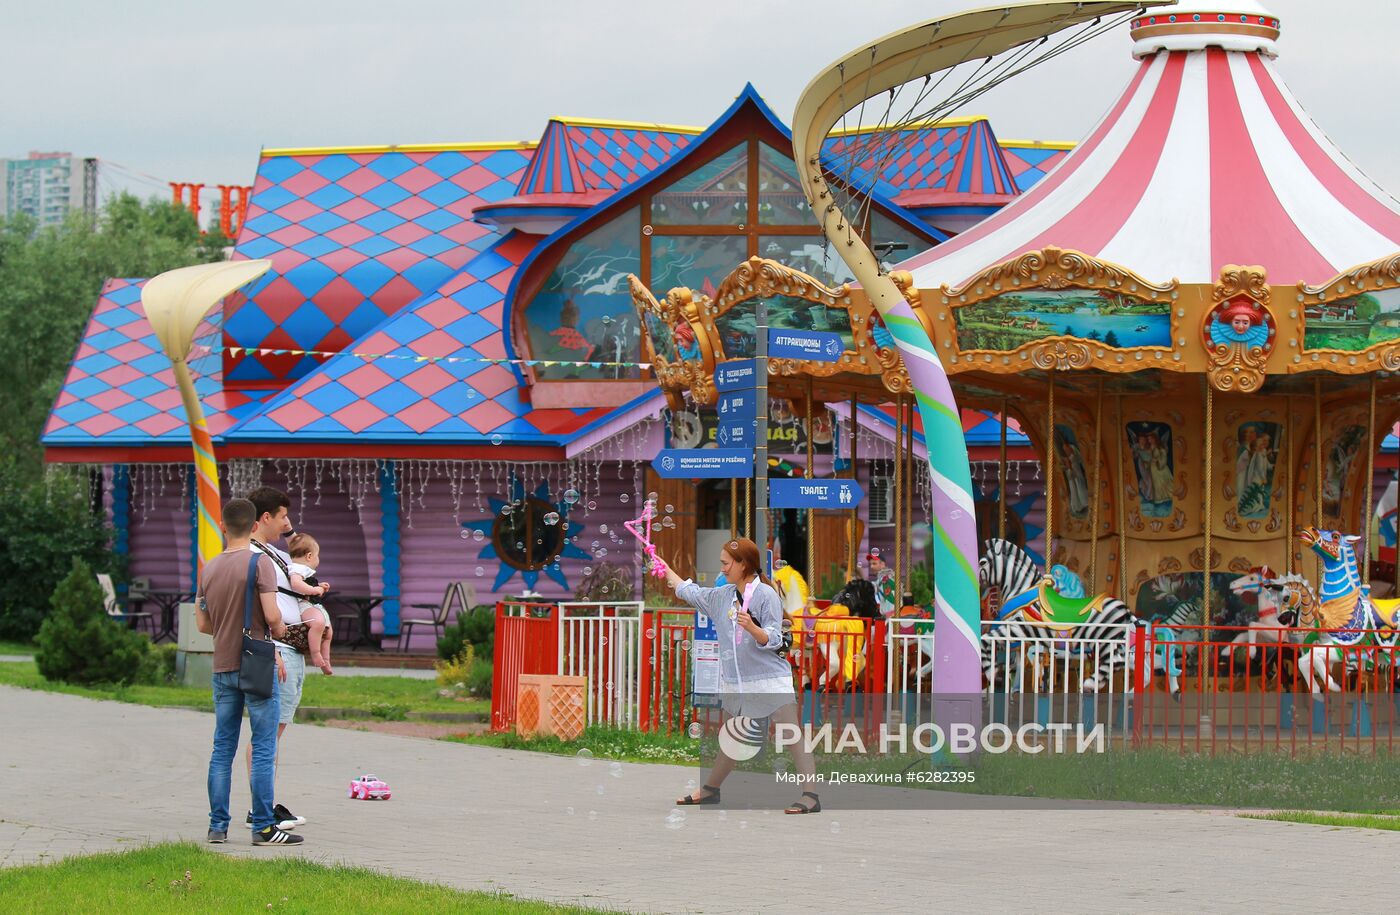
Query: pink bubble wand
{"type": "Point", "coordinates": [640, 528]}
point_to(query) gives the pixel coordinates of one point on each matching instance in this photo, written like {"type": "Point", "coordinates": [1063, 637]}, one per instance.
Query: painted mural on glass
{"type": "Point", "coordinates": [1342, 451]}
{"type": "Point", "coordinates": [1150, 445]}
{"type": "Point", "coordinates": [1070, 459]}
{"type": "Point", "coordinates": [583, 313]}
{"type": "Point", "coordinates": [698, 262]}
{"type": "Point", "coordinates": [1012, 319]}
{"type": "Point", "coordinates": [1256, 458]}
{"type": "Point", "coordinates": [1353, 323]}
{"type": "Point", "coordinates": [737, 326]}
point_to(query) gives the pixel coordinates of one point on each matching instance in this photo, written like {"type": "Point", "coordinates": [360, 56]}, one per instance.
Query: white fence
{"type": "Point", "coordinates": [602, 642]}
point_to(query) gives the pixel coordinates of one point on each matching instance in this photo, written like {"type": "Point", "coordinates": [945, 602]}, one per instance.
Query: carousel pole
{"type": "Point", "coordinates": [1370, 482]}
{"type": "Point", "coordinates": [1095, 500]}
{"type": "Point", "coordinates": [1050, 482]}
{"type": "Point", "coordinates": [1288, 486]}
{"type": "Point", "coordinates": [1120, 501]}
{"type": "Point", "coordinates": [811, 513]}
{"type": "Point", "coordinates": [1396, 569]}
{"type": "Point", "coordinates": [1317, 467]}
{"type": "Point", "coordinates": [1001, 478]}
{"type": "Point", "coordinates": [898, 492]}
{"type": "Point", "coordinates": [1209, 452]}
{"type": "Point", "coordinates": [908, 507]}
{"type": "Point", "coordinates": [852, 544]}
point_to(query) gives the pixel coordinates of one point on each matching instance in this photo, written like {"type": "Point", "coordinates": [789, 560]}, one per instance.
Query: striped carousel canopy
{"type": "Point", "coordinates": [1206, 159]}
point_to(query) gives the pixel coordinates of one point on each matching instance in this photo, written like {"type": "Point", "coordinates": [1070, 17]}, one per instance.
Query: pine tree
{"type": "Point", "coordinates": [78, 643]}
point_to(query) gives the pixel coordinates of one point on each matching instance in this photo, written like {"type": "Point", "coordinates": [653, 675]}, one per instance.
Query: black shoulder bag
{"type": "Point", "coordinates": [257, 666]}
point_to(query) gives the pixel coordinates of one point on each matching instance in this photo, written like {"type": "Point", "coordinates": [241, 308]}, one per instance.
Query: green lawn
{"type": "Point", "coordinates": [386, 697]}
{"type": "Point", "coordinates": [15, 647]}
{"type": "Point", "coordinates": [599, 742]}
{"type": "Point", "coordinates": [189, 878]}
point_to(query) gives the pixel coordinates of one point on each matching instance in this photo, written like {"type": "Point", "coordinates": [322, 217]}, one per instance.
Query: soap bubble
{"type": "Point", "coordinates": [615, 769]}
{"type": "Point", "coordinates": [496, 439]}
{"type": "Point", "coordinates": [569, 811]}
{"type": "Point", "coordinates": [587, 570]}
{"type": "Point", "coordinates": [551, 518]}
{"type": "Point", "coordinates": [480, 571]}
{"type": "Point", "coordinates": [592, 505]}
{"type": "Point", "coordinates": [670, 508]}
{"type": "Point", "coordinates": [651, 633]}
{"type": "Point", "coordinates": [675, 820]}
{"type": "Point", "coordinates": [593, 814]}
{"type": "Point", "coordinates": [651, 496]}
{"type": "Point", "coordinates": [571, 496]}
{"type": "Point", "coordinates": [835, 827]}
{"type": "Point", "coordinates": [478, 536]}
{"type": "Point", "coordinates": [601, 791]}
{"type": "Point", "coordinates": [602, 551]}
{"type": "Point", "coordinates": [624, 497]}
{"type": "Point", "coordinates": [874, 551]}
{"type": "Point", "coordinates": [685, 644]}
{"type": "Point", "coordinates": [743, 824]}
{"type": "Point", "coordinates": [609, 685]}
{"type": "Point", "coordinates": [466, 534]}
{"type": "Point", "coordinates": [695, 730]}
{"type": "Point", "coordinates": [584, 757]}
{"type": "Point", "coordinates": [602, 528]}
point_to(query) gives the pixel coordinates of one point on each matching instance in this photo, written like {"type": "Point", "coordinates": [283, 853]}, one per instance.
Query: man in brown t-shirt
{"type": "Point", "coordinates": [220, 612]}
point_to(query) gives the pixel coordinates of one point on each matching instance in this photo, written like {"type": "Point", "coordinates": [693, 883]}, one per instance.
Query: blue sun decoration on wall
{"type": "Point", "coordinates": [529, 534]}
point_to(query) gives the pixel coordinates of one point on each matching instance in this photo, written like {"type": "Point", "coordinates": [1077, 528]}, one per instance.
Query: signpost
{"type": "Point", "coordinates": [810, 345]}
{"type": "Point", "coordinates": [802, 493]}
{"type": "Point", "coordinates": [703, 463]}
{"type": "Point", "coordinates": [736, 375]}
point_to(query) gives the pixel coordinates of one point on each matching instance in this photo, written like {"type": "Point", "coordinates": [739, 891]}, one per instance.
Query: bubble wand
{"type": "Point", "coordinates": [640, 528]}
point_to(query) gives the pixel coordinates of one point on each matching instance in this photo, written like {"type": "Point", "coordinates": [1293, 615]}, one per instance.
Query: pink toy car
{"type": "Point", "coordinates": [368, 788]}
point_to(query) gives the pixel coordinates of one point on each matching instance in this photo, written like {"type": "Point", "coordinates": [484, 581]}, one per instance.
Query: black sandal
{"type": "Point", "coordinates": [799, 807]}
{"type": "Point", "coordinates": [711, 798]}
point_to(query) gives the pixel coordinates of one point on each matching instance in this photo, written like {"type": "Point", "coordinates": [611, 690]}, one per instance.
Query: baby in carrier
{"type": "Point", "coordinates": [301, 572]}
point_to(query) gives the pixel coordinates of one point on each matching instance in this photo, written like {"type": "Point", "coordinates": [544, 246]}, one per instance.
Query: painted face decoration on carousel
{"type": "Point", "coordinates": [1241, 320]}
{"type": "Point", "coordinates": [686, 346]}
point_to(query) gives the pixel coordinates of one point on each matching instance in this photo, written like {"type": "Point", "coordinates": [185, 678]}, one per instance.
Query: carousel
{"type": "Point", "coordinates": [1195, 318]}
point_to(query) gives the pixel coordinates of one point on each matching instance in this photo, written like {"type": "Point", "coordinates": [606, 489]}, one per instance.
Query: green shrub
{"type": "Point", "coordinates": [831, 582]}
{"type": "Point", "coordinates": [160, 663]}
{"type": "Point", "coordinates": [45, 524]}
{"type": "Point", "coordinates": [476, 628]}
{"type": "Point", "coordinates": [479, 678]}
{"type": "Point", "coordinates": [388, 711]}
{"type": "Point", "coordinates": [921, 585]}
{"type": "Point", "coordinates": [607, 582]}
{"type": "Point", "coordinates": [456, 670]}
{"type": "Point", "coordinates": [78, 642]}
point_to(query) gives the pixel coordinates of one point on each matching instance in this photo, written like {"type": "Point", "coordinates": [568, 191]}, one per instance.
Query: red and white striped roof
{"type": "Point", "coordinates": [1207, 159]}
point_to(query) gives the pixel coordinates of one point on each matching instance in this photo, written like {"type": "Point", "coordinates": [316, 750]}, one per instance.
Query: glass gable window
{"type": "Point", "coordinates": [893, 243]}
{"type": "Point", "coordinates": [812, 254]}
{"type": "Point", "coordinates": [780, 200]}
{"type": "Point", "coordinates": [715, 194]}
{"type": "Point", "coordinates": [583, 312]}
{"type": "Point", "coordinates": [697, 262]}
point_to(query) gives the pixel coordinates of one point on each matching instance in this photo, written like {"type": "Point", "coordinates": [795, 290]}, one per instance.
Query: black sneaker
{"type": "Point", "coordinates": [285, 819]}
{"type": "Point", "coordinates": [218, 836]}
{"type": "Point", "coordinates": [274, 836]}
{"type": "Point", "coordinates": [249, 821]}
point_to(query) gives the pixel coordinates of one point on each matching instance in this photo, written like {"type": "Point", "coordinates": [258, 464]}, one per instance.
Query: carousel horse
{"type": "Point", "coordinates": [1041, 615]}
{"type": "Point", "coordinates": [1274, 627]}
{"type": "Point", "coordinates": [837, 636]}
{"type": "Point", "coordinates": [1344, 615]}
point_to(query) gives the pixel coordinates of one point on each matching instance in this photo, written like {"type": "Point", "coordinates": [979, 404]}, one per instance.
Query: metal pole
{"type": "Point", "coordinates": [1209, 503]}
{"type": "Point", "coordinates": [760, 445]}
{"type": "Point", "coordinates": [1317, 467]}
{"type": "Point", "coordinates": [853, 545]}
{"type": "Point", "coordinates": [1001, 477]}
{"type": "Point", "coordinates": [1288, 494]}
{"type": "Point", "coordinates": [1120, 499]}
{"type": "Point", "coordinates": [1372, 447]}
{"type": "Point", "coordinates": [1050, 481]}
{"type": "Point", "coordinates": [898, 492]}
{"type": "Point", "coordinates": [811, 514]}
{"type": "Point", "coordinates": [1096, 500]}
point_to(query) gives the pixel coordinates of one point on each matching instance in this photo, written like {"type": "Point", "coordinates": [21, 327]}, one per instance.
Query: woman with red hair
{"type": "Point", "coordinates": [755, 677]}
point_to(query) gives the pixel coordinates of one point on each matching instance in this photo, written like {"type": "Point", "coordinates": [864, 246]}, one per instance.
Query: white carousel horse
{"type": "Point", "coordinates": [1275, 625]}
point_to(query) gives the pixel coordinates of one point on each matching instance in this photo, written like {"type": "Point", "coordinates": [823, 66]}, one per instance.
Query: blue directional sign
{"type": "Point", "coordinates": [735, 375]}
{"type": "Point", "coordinates": [735, 434]}
{"type": "Point", "coordinates": [814, 493]}
{"type": "Point", "coordinates": [706, 463]}
{"type": "Point", "coordinates": [813, 345]}
{"type": "Point", "coordinates": [736, 405]}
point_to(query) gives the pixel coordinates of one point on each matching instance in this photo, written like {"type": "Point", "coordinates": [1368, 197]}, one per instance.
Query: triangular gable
{"type": "Point", "coordinates": [423, 375]}
{"type": "Point", "coordinates": [576, 156]}
{"type": "Point", "coordinates": [120, 389]}
{"type": "Point", "coordinates": [1031, 161]}
{"type": "Point", "coordinates": [354, 236]}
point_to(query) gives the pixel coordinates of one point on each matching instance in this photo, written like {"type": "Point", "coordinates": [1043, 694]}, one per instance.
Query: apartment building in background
{"type": "Point", "coordinates": [47, 186]}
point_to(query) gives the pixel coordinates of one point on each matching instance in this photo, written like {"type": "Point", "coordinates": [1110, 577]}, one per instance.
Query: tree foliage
{"type": "Point", "coordinates": [78, 643]}
{"type": "Point", "coordinates": [49, 281]}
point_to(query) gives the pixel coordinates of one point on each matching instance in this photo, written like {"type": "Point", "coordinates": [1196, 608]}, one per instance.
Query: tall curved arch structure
{"type": "Point", "coordinates": [868, 72]}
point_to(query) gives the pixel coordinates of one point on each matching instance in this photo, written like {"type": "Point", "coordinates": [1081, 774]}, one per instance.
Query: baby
{"type": "Point", "coordinates": [306, 556]}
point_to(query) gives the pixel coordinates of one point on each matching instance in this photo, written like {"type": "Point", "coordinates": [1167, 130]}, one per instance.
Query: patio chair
{"type": "Point", "coordinates": [436, 615]}
{"type": "Point", "coordinates": [109, 604]}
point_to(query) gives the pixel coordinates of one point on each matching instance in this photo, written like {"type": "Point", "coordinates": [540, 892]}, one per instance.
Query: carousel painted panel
{"type": "Point", "coordinates": [1352, 321]}
{"type": "Point", "coordinates": [1075, 477]}
{"type": "Point", "coordinates": [1250, 468]}
{"type": "Point", "coordinates": [1160, 471]}
{"type": "Point", "coordinates": [1345, 441]}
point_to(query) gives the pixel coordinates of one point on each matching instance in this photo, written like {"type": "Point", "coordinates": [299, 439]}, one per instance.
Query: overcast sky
{"type": "Point", "coordinates": [191, 91]}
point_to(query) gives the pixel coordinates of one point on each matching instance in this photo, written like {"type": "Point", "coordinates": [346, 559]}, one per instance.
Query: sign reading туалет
{"type": "Point", "coordinates": [814, 493]}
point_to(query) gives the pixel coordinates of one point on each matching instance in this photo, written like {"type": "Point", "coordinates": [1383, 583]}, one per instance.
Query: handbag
{"type": "Point", "coordinates": [257, 665]}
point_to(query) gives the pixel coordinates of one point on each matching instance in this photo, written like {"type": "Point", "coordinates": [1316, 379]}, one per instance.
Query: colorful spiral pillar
{"type": "Point", "coordinates": [176, 302]}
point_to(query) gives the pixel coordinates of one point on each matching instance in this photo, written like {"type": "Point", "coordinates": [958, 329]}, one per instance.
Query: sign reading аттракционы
{"type": "Point", "coordinates": [812, 345]}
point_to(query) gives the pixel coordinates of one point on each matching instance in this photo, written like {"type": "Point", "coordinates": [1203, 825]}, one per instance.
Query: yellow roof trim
{"type": "Point", "coordinates": [634, 125]}
{"type": "Point", "coordinates": [1037, 144]}
{"type": "Point", "coordinates": [406, 147]}
{"type": "Point", "coordinates": [912, 125]}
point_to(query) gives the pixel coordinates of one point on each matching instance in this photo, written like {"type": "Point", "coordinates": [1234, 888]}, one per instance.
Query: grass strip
{"type": "Point", "coordinates": [598, 742]}
{"type": "Point", "coordinates": [186, 878]}
{"type": "Point", "coordinates": [390, 698]}
{"type": "Point", "coordinates": [1346, 820]}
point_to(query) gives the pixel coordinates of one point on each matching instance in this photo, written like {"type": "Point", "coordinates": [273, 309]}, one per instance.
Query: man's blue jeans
{"type": "Point", "coordinates": [229, 702]}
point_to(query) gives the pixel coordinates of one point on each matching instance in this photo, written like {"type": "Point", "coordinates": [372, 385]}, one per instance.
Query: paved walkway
{"type": "Point", "coordinates": [101, 775]}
